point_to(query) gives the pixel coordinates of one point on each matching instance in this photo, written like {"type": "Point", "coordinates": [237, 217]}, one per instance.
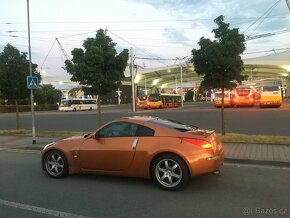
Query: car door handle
{"type": "Point", "coordinates": [135, 142]}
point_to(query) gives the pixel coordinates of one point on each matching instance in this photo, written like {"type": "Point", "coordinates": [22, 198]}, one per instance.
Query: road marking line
{"type": "Point", "coordinates": [40, 210]}
{"type": "Point", "coordinates": [15, 150]}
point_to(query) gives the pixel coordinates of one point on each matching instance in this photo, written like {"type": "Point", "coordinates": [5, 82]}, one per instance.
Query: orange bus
{"type": "Point", "coordinates": [158, 101]}
{"type": "Point", "coordinates": [245, 96]}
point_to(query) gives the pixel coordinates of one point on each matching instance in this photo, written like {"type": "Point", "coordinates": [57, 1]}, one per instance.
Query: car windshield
{"type": "Point", "coordinates": [172, 124]}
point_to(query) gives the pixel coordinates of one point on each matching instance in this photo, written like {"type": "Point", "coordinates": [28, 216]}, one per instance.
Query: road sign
{"type": "Point", "coordinates": [32, 82]}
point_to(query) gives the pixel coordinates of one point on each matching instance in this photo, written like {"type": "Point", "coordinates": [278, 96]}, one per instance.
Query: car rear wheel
{"type": "Point", "coordinates": [170, 172]}
{"type": "Point", "coordinates": [55, 164]}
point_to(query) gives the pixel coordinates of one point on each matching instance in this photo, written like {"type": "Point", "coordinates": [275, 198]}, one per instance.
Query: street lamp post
{"type": "Point", "coordinates": [30, 73]}
{"type": "Point", "coordinates": [132, 80]}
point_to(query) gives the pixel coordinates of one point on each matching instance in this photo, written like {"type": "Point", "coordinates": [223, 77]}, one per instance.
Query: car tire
{"type": "Point", "coordinates": [170, 172]}
{"type": "Point", "coordinates": [55, 164]}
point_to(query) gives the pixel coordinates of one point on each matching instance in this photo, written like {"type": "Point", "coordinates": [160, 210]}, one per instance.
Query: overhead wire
{"type": "Point", "coordinates": [264, 14]}
{"type": "Point", "coordinates": [141, 49]}
{"type": "Point", "coordinates": [47, 54]}
{"type": "Point", "coordinates": [271, 50]}
{"type": "Point", "coordinates": [269, 12]}
{"type": "Point", "coordinates": [139, 21]}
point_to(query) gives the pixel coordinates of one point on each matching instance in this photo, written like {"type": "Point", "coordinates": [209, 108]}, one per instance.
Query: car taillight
{"type": "Point", "coordinates": [198, 142]}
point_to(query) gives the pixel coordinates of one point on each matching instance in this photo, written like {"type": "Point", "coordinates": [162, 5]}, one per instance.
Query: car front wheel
{"type": "Point", "coordinates": [55, 164]}
{"type": "Point", "coordinates": [170, 172]}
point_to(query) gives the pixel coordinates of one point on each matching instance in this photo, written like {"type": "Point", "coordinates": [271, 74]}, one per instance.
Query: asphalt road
{"type": "Point", "coordinates": [239, 191]}
{"type": "Point", "coordinates": [266, 121]}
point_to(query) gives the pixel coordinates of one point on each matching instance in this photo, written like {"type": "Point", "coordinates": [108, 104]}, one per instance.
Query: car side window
{"type": "Point", "coordinates": [144, 131]}
{"type": "Point", "coordinates": [118, 129]}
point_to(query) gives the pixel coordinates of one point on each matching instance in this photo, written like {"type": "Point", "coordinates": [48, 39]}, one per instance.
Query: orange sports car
{"type": "Point", "coordinates": [167, 151]}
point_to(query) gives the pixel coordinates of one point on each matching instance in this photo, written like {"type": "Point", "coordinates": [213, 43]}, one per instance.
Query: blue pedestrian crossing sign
{"type": "Point", "coordinates": [32, 82]}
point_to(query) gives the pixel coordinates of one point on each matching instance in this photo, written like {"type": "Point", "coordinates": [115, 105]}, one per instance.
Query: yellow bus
{"type": "Point", "coordinates": [270, 96]}
{"type": "Point", "coordinates": [229, 99]}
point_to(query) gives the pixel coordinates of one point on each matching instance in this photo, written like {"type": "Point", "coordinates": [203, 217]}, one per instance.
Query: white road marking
{"type": "Point", "coordinates": [40, 210]}
{"type": "Point", "coordinates": [15, 150]}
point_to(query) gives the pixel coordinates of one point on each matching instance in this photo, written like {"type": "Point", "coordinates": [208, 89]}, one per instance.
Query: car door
{"type": "Point", "coordinates": [112, 149]}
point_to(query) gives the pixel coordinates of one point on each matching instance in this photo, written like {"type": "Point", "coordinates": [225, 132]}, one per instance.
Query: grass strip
{"type": "Point", "coordinates": [256, 139]}
{"type": "Point", "coordinates": [229, 137]}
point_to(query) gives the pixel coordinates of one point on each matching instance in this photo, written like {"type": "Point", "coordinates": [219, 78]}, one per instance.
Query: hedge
{"type": "Point", "coordinates": [26, 108]}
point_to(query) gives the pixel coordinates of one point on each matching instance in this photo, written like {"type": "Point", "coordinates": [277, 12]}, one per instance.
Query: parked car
{"type": "Point", "coordinates": [169, 152]}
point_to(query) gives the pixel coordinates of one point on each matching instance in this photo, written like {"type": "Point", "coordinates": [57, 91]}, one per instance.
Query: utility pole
{"type": "Point", "coordinates": [132, 79]}
{"type": "Point", "coordinates": [30, 73]}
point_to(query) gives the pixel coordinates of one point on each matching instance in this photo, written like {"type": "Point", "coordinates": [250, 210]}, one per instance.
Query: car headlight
{"type": "Point", "coordinates": [48, 145]}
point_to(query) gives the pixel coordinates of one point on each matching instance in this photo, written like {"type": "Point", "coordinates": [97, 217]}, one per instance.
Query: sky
{"type": "Point", "coordinates": [155, 29]}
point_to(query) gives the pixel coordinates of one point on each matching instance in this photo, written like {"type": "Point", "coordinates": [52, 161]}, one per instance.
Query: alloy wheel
{"type": "Point", "coordinates": [168, 173]}
{"type": "Point", "coordinates": [55, 164]}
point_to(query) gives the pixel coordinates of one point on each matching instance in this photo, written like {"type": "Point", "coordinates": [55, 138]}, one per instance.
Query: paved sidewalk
{"type": "Point", "coordinates": [264, 154]}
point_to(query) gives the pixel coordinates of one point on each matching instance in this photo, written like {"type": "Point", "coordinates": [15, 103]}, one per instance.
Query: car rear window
{"type": "Point", "coordinates": [270, 88]}
{"type": "Point", "coordinates": [172, 124]}
{"type": "Point", "coordinates": [243, 92]}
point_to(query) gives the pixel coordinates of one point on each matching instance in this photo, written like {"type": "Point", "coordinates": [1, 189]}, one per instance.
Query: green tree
{"type": "Point", "coordinates": [47, 94]}
{"type": "Point", "coordinates": [219, 60]}
{"type": "Point", "coordinates": [14, 68]}
{"type": "Point", "coordinates": [98, 67]}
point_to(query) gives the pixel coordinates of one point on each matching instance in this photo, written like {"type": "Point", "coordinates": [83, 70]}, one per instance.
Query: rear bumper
{"type": "Point", "coordinates": [270, 103]}
{"type": "Point", "coordinates": [245, 103]}
{"type": "Point", "coordinates": [206, 163]}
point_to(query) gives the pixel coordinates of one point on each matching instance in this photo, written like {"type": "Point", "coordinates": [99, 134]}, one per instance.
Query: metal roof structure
{"type": "Point", "coordinates": [270, 66]}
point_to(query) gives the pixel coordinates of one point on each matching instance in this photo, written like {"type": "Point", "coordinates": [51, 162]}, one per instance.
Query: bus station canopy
{"type": "Point", "coordinates": [270, 66]}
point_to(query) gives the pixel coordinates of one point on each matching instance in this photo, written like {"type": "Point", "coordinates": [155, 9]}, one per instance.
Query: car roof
{"type": "Point", "coordinates": [141, 118]}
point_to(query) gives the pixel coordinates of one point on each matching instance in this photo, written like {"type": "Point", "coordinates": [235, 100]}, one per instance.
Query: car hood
{"type": "Point", "coordinates": [73, 138]}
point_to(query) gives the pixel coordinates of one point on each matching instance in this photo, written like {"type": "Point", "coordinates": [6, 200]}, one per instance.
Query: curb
{"type": "Point", "coordinates": [258, 162]}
